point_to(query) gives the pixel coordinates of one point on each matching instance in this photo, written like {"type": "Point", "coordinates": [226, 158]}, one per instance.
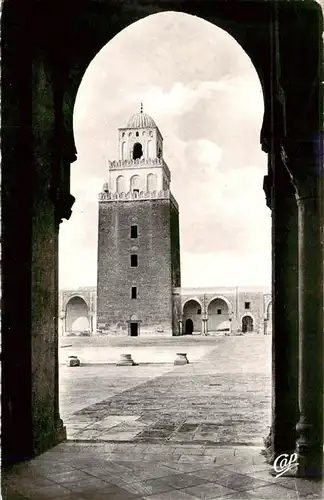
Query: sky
{"type": "Point", "coordinates": [204, 94]}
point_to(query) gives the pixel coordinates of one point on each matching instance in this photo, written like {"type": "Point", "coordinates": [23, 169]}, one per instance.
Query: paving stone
{"type": "Point", "coordinates": [233, 480]}
{"type": "Point", "coordinates": [149, 487]}
{"type": "Point", "coordinates": [110, 493]}
{"type": "Point", "coordinates": [11, 494]}
{"type": "Point", "coordinates": [250, 469]}
{"type": "Point", "coordinates": [208, 491]}
{"type": "Point", "coordinates": [26, 485]}
{"type": "Point", "coordinates": [190, 450]}
{"type": "Point", "coordinates": [302, 486]}
{"type": "Point", "coordinates": [171, 495]}
{"type": "Point", "coordinates": [205, 459]}
{"type": "Point", "coordinates": [186, 467]}
{"type": "Point", "coordinates": [48, 492]}
{"type": "Point", "coordinates": [274, 492]}
{"type": "Point", "coordinates": [67, 476]}
{"type": "Point", "coordinates": [184, 480]}
{"type": "Point", "coordinates": [241, 495]}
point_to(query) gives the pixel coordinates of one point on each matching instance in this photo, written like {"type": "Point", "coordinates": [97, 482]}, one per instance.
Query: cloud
{"type": "Point", "coordinates": [180, 98]}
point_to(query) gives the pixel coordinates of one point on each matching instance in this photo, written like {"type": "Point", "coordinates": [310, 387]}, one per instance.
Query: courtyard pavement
{"type": "Point", "coordinates": [174, 432]}
{"type": "Point", "coordinates": [221, 397]}
{"type": "Point", "coordinates": [106, 471]}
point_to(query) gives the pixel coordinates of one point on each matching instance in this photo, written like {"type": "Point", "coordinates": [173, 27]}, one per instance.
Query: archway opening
{"type": "Point", "coordinates": [218, 316]}
{"type": "Point", "coordinates": [134, 329]}
{"type": "Point", "coordinates": [202, 111]}
{"type": "Point", "coordinates": [247, 324]}
{"type": "Point", "coordinates": [192, 317]}
{"type": "Point", "coordinates": [189, 327]}
{"type": "Point", "coordinates": [137, 151]}
{"type": "Point", "coordinates": [77, 317]}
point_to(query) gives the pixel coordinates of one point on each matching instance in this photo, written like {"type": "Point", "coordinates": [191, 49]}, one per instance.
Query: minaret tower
{"type": "Point", "coordinates": [138, 237]}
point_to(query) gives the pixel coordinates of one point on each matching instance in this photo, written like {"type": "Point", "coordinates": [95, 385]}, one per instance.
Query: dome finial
{"type": "Point", "coordinates": [141, 107]}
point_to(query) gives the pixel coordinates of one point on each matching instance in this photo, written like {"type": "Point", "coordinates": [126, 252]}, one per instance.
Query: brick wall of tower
{"type": "Point", "coordinates": [175, 245]}
{"type": "Point", "coordinates": [175, 262]}
{"type": "Point", "coordinates": [153, 276]}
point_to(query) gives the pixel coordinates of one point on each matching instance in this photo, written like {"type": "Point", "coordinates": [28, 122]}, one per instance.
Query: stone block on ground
{"type": "Point", "coordinates": [73, 361]}
{"type": "Point", "coordinates": [181, 359]}
{"type": "Point", "coordinates": [126, 360]}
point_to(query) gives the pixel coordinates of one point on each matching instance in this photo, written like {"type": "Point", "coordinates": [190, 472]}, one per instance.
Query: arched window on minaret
{"type": "Point", "coordinates": [151, 182]}
{"type": "Point", "coordinates": [135, 184]}
{"type": "Point", "coordinates": [137, 151]}
{"type": "Point", "coordinates": [120, 184]}
{"type": "Point", "coordinates": [150, 149]}
{"type": "Point", "coordinates": [123, 151]}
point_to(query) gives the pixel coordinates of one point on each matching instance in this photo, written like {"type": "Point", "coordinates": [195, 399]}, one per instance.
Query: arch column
{"type": "Point", "coordinates": [62, 323]}
{"type": "Point", "coordinates": [310, 227]}
{"type": "Point", "coordinates": [90, 316]}
{"type": "Point", "coordinates": [284, 311]}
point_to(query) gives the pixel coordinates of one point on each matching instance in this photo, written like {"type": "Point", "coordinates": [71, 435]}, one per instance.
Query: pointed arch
{"type": "Point", "coordinates": [150, 149]}
{"type": "Point", "coordinates": [120, 184]}
{"type": "Point", "coordinates": [247, 323]}
{"type": "Point", "coordinates": [135, 183]}
{"type": "Point", "coordinates": [123, 150]}
{"type": "Point", "coordinates": [192, 310]}
{"type": "Point", "coordinates": [151, 182]}
{"type": "Point", "coordinates": [137, 151]}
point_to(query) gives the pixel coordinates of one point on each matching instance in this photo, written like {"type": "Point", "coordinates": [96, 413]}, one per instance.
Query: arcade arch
{"type": "Point", "coordinates": [77, 316]}
{"type": "Point", "coordinates": [192, 310]}
{"type": "Point", "coordinates": [218, 315]}
{"type": "Point", "coordinates": [247, 323]}
{"type": "Point", "coordinates": [268, 319]}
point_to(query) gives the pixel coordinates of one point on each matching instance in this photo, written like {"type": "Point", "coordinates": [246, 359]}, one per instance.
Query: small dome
{"type": "Point", "coordinates": [140, 120]}
{"type": "Point", "coordinates": [105, 187]}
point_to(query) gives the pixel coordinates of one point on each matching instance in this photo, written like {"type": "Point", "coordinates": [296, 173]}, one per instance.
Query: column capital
{"type": "Point", "coordinates": [303, 160]}
{"type": "Point", "coordinates": [267, 188]}
{"type": "Point", "coordinates": [63, 203]}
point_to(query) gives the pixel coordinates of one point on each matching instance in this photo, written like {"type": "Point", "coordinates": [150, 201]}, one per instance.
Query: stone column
{"type": "Point", "coordinates": [91, 323]}
{"type": "Point", "coordinates": [62, 323]}
{"type": "Point", "coordinates": [310, 426]}
{"type": "Point", "coordinates": [60, 430]}
{"type": "Point", "coordinates": [284, 311]}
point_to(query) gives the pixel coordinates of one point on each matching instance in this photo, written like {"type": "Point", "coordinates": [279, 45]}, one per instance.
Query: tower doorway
{"type": "Point", "coordinates": [134, 329]}
{"type": "Point", "coordinates": [189, 327]}
{"type": "Point", "coordinates": [247, 324]}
